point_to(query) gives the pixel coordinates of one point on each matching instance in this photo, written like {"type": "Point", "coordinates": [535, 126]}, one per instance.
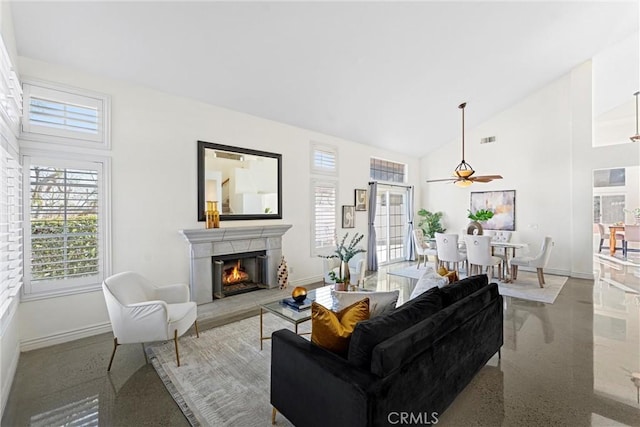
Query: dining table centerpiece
{"type": "Point", "coordinates": [477, 219]}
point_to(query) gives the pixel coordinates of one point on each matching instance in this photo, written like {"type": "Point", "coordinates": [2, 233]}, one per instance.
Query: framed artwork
{"type": "Point", "coordinates": [348, 216]}
{"type": "Point", "coordinates": [501, 203]}
{"type": "Point", "coordinates": [360, 199]}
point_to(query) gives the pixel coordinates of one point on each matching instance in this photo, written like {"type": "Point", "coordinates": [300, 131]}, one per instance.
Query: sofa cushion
{"type": "Point", "coordinates": [379, 302]}
{"type": "Point", "coordinates": [332, 331]}
{"type": "Point", "coordinates": [398, 350]}
{"type": "Point", "coordinates": [369, 333]}
{"type": "Point", "coordinates": [462, 288]}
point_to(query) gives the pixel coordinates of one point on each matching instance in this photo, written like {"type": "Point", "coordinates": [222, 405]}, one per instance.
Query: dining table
{"type": "Point", "coordinates": [613, 229]}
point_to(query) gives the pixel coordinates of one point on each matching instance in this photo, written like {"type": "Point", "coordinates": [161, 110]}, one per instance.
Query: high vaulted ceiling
{"type": "Point", "coordinates": [388, 74]}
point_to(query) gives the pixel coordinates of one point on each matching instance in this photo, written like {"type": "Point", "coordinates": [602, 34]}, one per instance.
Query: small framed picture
{"type": "Point", "coordinates": [360, 199]}
{"type": "Point", "coordinates": [348, 216]}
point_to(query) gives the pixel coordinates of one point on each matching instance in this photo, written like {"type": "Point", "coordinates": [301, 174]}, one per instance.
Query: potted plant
{"type": "Point", "coordinates": [477, 218]}
{"type": "Point", "coordinates": [430, 223]}
{"type": "Point", "coordinates": [636, 214]}
{"type": "Point", "coordinates": [344, 254]}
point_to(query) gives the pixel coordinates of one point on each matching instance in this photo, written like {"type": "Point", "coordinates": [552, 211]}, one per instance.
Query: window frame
{"type": "Point", "coordinates": [405, 173]}
{"type": "Point", "coordinates": [316, 182]}
{"type": "Point", "coordinates": [102, 140]}
{"type": "Point", "coordinates": [61, 287]}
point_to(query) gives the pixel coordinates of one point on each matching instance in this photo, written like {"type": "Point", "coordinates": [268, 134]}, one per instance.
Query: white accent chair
{"type": "Point", "coordinates": [447, 247]}
{"type": "Point", "coordinates": [422, 248]}
{"type": "Point", "coordinates": [479, 255]}
{"type": "Point", "coordinates": [357, 268]}
{"type": "Point", "coordinates": [631, 235]}
{"type": "Point", "coordinates": [141, 311]}
{"type": "Point", "coordinates": [539, 262]}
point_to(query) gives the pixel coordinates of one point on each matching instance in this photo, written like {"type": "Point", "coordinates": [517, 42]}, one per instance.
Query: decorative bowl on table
{"type": "Point", "coordinates": [299, 294]}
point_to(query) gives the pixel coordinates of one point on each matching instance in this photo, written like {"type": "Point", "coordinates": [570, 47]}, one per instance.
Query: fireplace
{"type": "Point", "coordinates": [238, 273]}
{"type": "Point", "coordinates": [207, 244]}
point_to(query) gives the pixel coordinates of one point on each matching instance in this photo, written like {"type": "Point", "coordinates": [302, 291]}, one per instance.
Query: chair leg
{"type": "Point", "coordinates": [196, 325]}
{"type": "Point", "coordinates": [146, 360]}
{"type": "Point", "coordinates": [600, 246]}
{"type": "Point", "coordinates": [540, 277]}
{"type": "Point", "coordinates": [115, 346]}
{"type": "Point", "coordinates": [274, 411]}
{"type": "Point", "coordinates": [175, 340]}
{"type": "Point", "coordinates": [514, 272]}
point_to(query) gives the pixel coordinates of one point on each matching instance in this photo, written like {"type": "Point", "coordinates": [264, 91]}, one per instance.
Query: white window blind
{"type": "Point", "coordinates": [11, 238]}
{"type": "Point", "coordinates": [10, 225]}
{"type": "Point", "coordinates": [324, 159]}
{"type": "Point", "coordinates": [56, 114]}
{"type": "Point", "coordinates": [65, 225]}
{"type": "Point", "coordinates": [324, 213]}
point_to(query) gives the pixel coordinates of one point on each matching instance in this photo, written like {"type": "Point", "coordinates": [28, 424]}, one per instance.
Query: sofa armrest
{"type": "Point", "coordinates": [314, 387]}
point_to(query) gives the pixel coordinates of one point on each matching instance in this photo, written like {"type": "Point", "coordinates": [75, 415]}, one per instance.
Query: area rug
{"type": "Point", "coordinates": [526, 287]}
{"type": "Point", "coordinates": [224, 378]}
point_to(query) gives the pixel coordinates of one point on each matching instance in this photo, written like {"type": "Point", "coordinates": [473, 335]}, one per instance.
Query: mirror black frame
{"type": "Point", "coordinates": [202, 146]}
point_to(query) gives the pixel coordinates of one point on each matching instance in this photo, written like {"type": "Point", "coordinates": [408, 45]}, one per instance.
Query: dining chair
{"type": "Point", "coordinates": [422, 248]}
{"type": "Point", "coordinates": [539, 262]}
{"type": "Point", "coordinates": [479, 255]}
{"type": "Point", "coordinates": [604, 236]}
{"type": "Point", "coordinates": [447, 249]}
{"type": "Point", "coordinates": [141, 311]}
{"type": "Point", "coordinates": [631, 235]}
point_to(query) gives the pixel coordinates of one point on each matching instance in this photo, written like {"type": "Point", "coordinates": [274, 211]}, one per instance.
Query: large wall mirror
{"type": "Point", "coordinates": [247, 184]}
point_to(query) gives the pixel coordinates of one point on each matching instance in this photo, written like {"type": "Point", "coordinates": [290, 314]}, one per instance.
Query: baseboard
{"type": "Point", "coordinates": [66, 336]}
{"type": "Point", "coordinates": [306, 281]}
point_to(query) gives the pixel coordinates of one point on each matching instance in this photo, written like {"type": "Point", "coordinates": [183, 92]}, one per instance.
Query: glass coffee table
{"type": "Point", "coordinates": [320, 295]}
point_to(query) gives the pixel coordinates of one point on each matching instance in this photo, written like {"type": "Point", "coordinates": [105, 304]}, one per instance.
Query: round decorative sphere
{"type": "Point", "coordinates": [299, 294]}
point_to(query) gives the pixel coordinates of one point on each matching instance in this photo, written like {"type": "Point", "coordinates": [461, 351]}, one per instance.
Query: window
{"type": "Point", "coordinates": [324, 202]}
{"type": "Point", "coordinates": [387, 171]}
{"type": "Point", "coordinates": [63, 115]}
{"type": "Point", "coordinates": [609, 177]}
{"type": "Point", "coordinates": [65, 245]}
{"type": "Point", "coordinates": [608, 209]}
{"type": "Point", "coordinates": [324, 159]}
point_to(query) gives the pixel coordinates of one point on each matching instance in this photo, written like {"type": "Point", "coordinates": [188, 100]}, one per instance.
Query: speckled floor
{"type": "Point", "coordinates": [568, 363]}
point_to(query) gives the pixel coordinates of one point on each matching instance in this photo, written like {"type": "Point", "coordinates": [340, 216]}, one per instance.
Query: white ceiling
{"type": "Point", "coordinates": [385, 74]}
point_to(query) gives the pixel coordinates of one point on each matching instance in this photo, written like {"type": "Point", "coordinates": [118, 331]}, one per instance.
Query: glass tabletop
{"type": "Point", "coordinates": [320, 295]}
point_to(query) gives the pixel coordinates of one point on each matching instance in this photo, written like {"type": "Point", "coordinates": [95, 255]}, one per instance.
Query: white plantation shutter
{"type": "Point", "coordinates": [56, 114]}
{"type": "Point", "coordinates": [11, 239]}
{"type": "Point", "coordinates": [325, 196]}
{"type": "Point", "coordinates": [10, 225]}
{"type": "Point", "coordinates": [65, 247]}
{"type": "Point", "coordinates": [324, 159]}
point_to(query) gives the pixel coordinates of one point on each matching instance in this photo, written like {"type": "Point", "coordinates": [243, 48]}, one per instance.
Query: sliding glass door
{"type": "Point", "coordinates": [391, 223]}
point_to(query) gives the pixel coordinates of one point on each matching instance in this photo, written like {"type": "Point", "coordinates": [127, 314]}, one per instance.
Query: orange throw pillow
{"type": "Point", "coordinates": [332, 331]}
{"type": "Point", "coordinates": [451, 275]}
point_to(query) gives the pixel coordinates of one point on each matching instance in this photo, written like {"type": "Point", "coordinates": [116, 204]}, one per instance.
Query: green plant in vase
{"type": "Point", "coordinates": [344, 254]}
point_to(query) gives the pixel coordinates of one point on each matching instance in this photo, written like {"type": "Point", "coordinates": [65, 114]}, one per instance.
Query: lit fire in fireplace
{"type": "Point", "coordinates": [234, 275]}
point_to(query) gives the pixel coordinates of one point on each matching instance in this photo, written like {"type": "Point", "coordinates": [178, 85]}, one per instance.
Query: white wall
{"type": "Point", "coordinates": [543, 150]}
{"type": "Point", "coordinates": [154, 190]}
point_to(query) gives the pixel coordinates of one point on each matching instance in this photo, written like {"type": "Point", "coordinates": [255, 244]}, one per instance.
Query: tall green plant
{"type": "Point", "coordinates": [430, 223]}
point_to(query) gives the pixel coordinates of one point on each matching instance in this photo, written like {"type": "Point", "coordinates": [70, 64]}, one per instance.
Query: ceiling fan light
{"type": "Point", "coordinates": [463, 183]}
{"type": "Point", "coordinates": [465, 173]}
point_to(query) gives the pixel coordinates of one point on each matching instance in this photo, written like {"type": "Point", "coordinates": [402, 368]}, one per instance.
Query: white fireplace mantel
{"type": "Point", "coordinates": [207, 243]}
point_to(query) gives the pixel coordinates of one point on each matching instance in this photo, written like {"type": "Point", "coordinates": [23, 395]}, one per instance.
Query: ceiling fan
{"type": "Point", "coordinates": [462, 175]}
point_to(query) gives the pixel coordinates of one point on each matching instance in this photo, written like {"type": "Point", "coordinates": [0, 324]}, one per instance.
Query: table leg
{"type": "Point", "coordinates": [261, 336]}
{"type": "Point", "coordinates": [612, 242]}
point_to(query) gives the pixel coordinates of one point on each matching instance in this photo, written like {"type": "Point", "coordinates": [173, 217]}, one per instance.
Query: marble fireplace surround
{"type": "Point", "coordinates": [207, 243]}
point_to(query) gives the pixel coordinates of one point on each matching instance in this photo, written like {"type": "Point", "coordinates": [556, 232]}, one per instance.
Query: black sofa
{"type": "Point", "coordinates": [411, 362]}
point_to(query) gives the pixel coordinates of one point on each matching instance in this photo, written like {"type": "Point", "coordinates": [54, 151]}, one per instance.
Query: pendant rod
{"type": "Point", "coordinates": [461, 106]}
